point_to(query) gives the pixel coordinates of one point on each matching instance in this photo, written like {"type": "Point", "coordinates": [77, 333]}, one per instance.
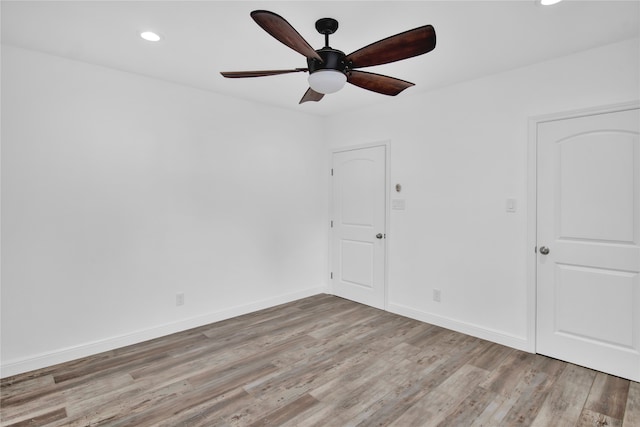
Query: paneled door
{"type": "Point", "coordinates": [358, 232]}
{"type": "Point", "coordinates": [588, 241]}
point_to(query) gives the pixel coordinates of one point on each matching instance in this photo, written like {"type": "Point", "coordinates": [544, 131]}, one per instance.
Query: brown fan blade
{"type": "Point", "coordinates": [377, 82]}
{"type": "Point", "coordinates": [401, 46]}
{"type": "Point", "coordinates": [241, 74]}
{"type": "Point", "coordinates": [311, 95]}
{"type": "Point", "coordinates": [282, 31]}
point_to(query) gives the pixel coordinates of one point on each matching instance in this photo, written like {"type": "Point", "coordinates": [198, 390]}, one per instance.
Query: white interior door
{"type": "Point", "coordinates": [358, 234]}
{"type": "Point", "coordinates": [588, 240]}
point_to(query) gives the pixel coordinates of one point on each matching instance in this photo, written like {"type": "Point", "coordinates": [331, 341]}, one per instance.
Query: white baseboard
{"type": "Point", "coordinates": [14, 367]}
{"type": "Point", "coordinates": [513, 341]}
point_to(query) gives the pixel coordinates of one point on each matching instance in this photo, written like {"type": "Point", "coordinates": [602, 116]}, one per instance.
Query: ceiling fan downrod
{"type": "Point", "coordinates": [326, 26]}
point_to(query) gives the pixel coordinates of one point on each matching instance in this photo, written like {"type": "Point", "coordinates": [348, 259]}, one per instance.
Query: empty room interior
{"type": "Point", "coordinates": [306, 213]}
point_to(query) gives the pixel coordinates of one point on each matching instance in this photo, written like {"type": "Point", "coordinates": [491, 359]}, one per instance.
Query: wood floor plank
{"type": "Point", "coordinates": [417, 386]}
{"type": "Point", "coordinates": [19, 406]}
{"type": "Point", "coordinates": [329, 359]}
{"type": "Point", "coordinates": [317, 362]}
{"type": "Point", "coordinates": [426, 334]}
{"type": "Point", "coordinates": [521, 392]}
{"type": "Point", "coordinates": [435, 406]}
{"type": "Point", "coordinates": [357, 396]}
{"type": "Point", "coordinates": [492, 357]}
{"type": "Point", "coordinates": [284, 414]}
{"type": "Point", "coordinates": [535, 388]}
{"type": "Point", "coordinates": [505, 378]}
{"type": "Point", "coordinates": [348, 384]}
{"type": "Point", "coordinates": [211, 412]}
{"type": "Point", "coordinates": [589, 418]}
{"type": "Point", "coordinates": [567, 397]}
{"type": "Point", "coordinates": [20, 386]}
{"type": "Point", "coordinates": [129, 402]}
{"type": "Point", "coordinates": [632, 412]}
{"type": "Point", "coordinates": [132, 356]}
{"type": "Point", "coordinates": [41, 420]}
{"type": "Point", "coordinates": [100, 392]}
{"type": "Point", "coordinates": [299, 379]}
{"type": "Point", "coordinates": [316, 417]}
{"type": "Point", "coordinates": [494, 412]}
{"type": "Point", "coordinates": [608, 396]}
{"type": "Point", "coordinates": [471, 408]}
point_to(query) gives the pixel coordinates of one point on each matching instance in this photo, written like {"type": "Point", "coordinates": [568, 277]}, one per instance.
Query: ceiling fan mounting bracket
{"type": "Point", "coordinates": [326, 25]}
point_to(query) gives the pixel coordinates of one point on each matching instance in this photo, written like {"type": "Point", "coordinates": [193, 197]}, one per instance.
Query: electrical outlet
{"type": "Point", "coordinates": [180, 299]}
{"type": "Point", "coordinates": [436, 295]}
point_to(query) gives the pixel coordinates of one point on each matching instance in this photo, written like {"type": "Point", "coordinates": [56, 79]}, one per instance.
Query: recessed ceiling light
{"type": "Point", "coordinates": [150, 36]}
{"type": "Point", "coordinates": [549, 2]}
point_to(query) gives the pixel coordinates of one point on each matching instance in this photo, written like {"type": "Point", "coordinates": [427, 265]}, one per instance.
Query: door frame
{"type": "Point", "coordinates": [387, 180]}
{"type": "Point", "coordinates": [532, 199]}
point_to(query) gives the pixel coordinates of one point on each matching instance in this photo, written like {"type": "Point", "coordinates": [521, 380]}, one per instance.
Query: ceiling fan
{"type": "Point", "coordinates": [329, 69]}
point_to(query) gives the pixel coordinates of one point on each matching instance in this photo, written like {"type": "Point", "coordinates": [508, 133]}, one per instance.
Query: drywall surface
{"type": "Point", "coordinates": [120, 192]}
{"type": "Point", "coordinates": [459, 153]}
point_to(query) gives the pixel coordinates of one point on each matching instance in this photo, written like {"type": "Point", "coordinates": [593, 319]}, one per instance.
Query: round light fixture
{"type": "Point", "coordinates": [150, 36]}
{"type": "Point", "coordinates": [549, 2]}
{"type": "Point", "coordinates": [327, 81]}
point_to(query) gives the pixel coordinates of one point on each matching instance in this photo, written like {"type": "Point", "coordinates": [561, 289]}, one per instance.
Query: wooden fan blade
{"type": "Point", "coordinates": [311, 95]}
{"type": "Point", "coordinates": [377, 82]}
{"type": "Point", "coordinates": [282, 31]}
{"type": "Point", "coordinates": [241, 74]}
{"type": "Point", "coordinates": [401, 46]}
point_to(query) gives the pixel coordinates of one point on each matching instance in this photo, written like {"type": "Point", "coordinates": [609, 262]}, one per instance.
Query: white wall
{"type": "Point", "coordinates": [459, 153]}
{"type": "Point", "coordinates": [119, 191]}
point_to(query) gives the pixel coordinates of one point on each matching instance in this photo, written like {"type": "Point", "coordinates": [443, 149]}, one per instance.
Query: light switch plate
{"type": "Point", "coordinates": [398, 204]}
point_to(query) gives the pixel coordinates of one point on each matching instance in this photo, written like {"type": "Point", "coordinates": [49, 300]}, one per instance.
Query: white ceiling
{"type": "Point", "coordinates": [201, 38]}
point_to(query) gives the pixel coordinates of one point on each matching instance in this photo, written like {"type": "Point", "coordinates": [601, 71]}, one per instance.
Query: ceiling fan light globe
{"type": "Point", "coordinates": [327, 81]}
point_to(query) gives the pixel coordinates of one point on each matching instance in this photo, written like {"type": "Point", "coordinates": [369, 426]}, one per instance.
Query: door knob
{"type": "Point", "coordinates": [544, 250]}
{"type": "Point", "coordinates": [379, 236]}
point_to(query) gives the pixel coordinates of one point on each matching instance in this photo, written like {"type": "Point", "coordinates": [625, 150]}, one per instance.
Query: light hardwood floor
{"type": "Point", "coordinates": [320, 361]}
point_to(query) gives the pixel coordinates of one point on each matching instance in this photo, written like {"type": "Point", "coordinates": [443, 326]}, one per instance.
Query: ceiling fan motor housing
{"type": "Point", "coordinates": [332, 59]}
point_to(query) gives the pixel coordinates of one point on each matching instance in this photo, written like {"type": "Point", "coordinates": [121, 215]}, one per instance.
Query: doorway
{"type": "Point", "coordinates": [359, 224]}
{"type": "Point", "coordinates": [587, 268]}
